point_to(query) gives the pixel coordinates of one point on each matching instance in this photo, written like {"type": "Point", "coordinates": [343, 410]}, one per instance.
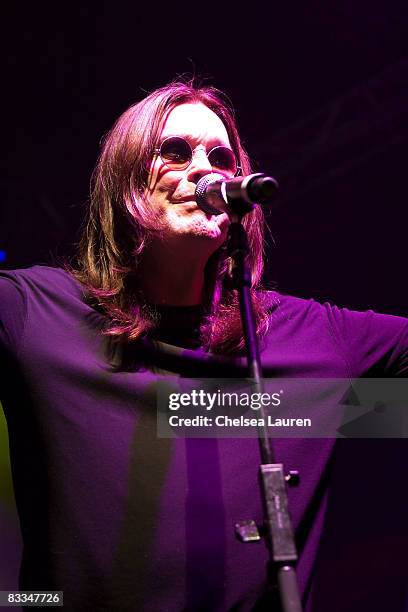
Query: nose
{"type": "Point", "coordinates": [199, 166]}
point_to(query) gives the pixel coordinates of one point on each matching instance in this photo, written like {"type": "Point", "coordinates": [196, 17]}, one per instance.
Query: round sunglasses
{"type": "Point", "coordinates": [176, 153]}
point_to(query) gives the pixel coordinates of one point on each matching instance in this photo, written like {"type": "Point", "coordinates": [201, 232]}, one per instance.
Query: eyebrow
{"type": "Point", "coordinates": [213, 142]}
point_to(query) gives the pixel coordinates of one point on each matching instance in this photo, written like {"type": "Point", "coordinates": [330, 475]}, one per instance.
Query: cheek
{"type": "Point", "coordinates": [162, 182]}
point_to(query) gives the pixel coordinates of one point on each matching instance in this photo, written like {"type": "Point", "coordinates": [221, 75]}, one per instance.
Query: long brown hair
{"type": "Point", "coordinates": [120, 221]}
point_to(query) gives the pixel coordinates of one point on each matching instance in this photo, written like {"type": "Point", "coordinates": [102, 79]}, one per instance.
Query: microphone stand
{"type": "Point", "coordinates": [277, 528]}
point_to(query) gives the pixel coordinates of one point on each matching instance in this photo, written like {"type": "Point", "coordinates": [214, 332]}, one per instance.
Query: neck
{"type": "Point", "coordinates": [171, 278]}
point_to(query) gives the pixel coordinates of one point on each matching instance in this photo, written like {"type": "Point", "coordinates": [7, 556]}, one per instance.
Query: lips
{"type": "Point", "coordinates": [184, 200]}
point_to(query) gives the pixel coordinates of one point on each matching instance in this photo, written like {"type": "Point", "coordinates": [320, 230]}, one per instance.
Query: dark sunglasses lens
{"type": "Point", "coordinates": [175, 152]}
{"type": "Point", "coordinates": [223, 159]}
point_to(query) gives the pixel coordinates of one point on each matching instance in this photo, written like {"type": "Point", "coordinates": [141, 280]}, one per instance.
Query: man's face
{"type": "Point", "coordinates": [171, 192]}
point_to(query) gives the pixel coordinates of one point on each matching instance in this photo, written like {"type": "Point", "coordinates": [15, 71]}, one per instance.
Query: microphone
{"type": "Point", "coordinates": [216, 194]}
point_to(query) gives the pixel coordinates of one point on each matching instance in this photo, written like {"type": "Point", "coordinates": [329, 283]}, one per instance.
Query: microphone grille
{"type": "Point", "coordinates": [201, 188]}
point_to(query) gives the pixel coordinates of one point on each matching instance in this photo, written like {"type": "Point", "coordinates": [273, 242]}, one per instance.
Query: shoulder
{"type": "Point", "coordinates": [365, 338]}
{"type": "Point", "coordinates": [40, 278]}
{"type": "Point", "coordinates": [33, 294]}
{"type": "Point", "coordinates": [36, 303]}
{"type": "Point", "coordinates": [281, 306]}
{"type": "Point", "coordinates": [290, 306]}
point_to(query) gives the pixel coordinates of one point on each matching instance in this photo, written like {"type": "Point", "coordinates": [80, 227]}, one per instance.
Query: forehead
{"type": "Point", "coordinates": [195, 121]}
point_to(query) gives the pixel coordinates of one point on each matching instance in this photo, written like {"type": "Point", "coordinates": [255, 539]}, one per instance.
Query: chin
{"type": "Point", "coordinates": [200, 225]}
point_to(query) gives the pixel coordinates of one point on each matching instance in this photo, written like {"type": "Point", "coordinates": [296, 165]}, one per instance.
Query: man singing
{"type": "Point", "coordinates": [115, 517]}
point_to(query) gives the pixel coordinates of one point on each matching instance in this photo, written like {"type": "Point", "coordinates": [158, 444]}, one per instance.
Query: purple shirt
{"type": "Point", "coordinates": [121, 520]}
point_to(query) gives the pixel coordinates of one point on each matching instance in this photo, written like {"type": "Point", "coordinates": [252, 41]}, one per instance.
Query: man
{"type": "Point", "coordinates": [114, 516]}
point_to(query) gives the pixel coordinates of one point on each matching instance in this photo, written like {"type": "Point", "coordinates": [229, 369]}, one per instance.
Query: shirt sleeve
{"type": "Point", "coordinates": [373, 344]}
{"type": "Point", "coordinates": [13, 311]}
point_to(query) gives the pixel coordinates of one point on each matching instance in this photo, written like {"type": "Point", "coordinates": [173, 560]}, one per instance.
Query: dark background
{"type": "Point", "coordinates": [321, 94]}
{"type": "Point", "coordinates": [320, 89]}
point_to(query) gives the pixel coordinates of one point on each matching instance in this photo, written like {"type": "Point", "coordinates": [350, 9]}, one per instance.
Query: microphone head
{"type": "Point", "coordinates": [201, 192]}
{"type": "Point", "coordinates": [263, 189]}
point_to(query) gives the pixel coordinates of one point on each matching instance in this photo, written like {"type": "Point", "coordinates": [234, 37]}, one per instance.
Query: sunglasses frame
{"type": "Point", "coordinates": [185, 165]}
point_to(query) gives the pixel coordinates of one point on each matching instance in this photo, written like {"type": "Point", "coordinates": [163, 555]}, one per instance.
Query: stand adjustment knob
{"type": "Point", "coordinates": [293, 478]}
